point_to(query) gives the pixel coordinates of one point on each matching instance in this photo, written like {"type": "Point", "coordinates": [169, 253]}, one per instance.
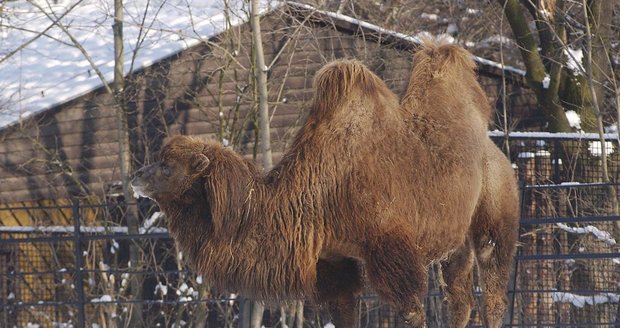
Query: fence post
{"type": "Point", "coordinates": [78, 278]}
{"type": "Point", "coordinates": [513, 284]}
{"type": "Point", "coordinates": [556, 162]}
{"type": "Point", "coordinates": [245, 312]}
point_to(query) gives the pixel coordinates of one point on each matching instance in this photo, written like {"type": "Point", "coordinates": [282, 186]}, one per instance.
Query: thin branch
{"type": "Point", "coordinates": [504, 93]}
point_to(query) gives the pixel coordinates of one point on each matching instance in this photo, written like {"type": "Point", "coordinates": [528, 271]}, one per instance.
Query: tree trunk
{"type": "Point", "coordinates": [260, 71]}
{"type": "Point", "coordinates": [131, 216]}
{"type": "Point", "coordinates": [536, 73]}
{"type": "Point", "coordinates": [260, 76]}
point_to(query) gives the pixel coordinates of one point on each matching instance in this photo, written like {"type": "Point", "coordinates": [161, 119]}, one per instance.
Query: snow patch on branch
{"type": "Point", "coordinates": [496, 39]}
{"type": "Point", "coordinates": [546, 81]}
{"type": "Point", "coordinates": [574, 120]}
{"type": "Point", "coordinates": [601, 235]}
{"type": "Point", "coordinates": [161, 288]}
{"type": "Point", "coordinates": [102, 299]}
{"type": "Point", "coordinates": [148, 223]}
{"type": "Point", "coordinates": [432, 17]}
{"type": "Point", "coordinates": [580, 300]}
{"type": "Point", "coordinates": [472, 11]}
{"type": "Point", "coordinates": [574, 60]}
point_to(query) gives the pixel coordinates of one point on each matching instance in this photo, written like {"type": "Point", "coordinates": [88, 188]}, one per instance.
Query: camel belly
{"type": "Point", "coordinates": [339, 250]}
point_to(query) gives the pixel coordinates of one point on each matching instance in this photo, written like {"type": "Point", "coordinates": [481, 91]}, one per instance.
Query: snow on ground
{"type": "Point", "coordinates": [596, 150]}
{"type": "Point", "coordinates": [50, 69]}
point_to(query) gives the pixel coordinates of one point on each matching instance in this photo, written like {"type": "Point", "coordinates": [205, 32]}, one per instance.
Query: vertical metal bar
{"type": "Point", "coordinates": [515, 274]}
{"type": "Point", "coordinates": [245, 311]}
{"type": "Point", "coordinates": [78, 277]}
{"type": "Point", "coordinates": [511, 290]}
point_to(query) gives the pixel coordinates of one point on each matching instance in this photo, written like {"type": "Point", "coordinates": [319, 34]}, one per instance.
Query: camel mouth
{"type": "Point", "coordinates": [140, 191]}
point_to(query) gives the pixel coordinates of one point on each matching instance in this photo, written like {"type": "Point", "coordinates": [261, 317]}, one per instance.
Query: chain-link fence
{"type": "Point", "coordinates": [67, 265]}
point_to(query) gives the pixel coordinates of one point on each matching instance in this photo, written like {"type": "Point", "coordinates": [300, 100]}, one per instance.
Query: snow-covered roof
{"type": "Point", "coordinates": [49, 69]}
{"type": "Point", "coordinates": [413, 39]}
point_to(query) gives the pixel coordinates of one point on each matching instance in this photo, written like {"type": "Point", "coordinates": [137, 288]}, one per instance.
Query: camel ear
{"type": "Point", "coordinates": [200, 162]}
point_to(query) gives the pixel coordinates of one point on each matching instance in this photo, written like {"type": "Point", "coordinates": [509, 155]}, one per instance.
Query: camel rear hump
{"type": "Point", "coordinates": [441, 70]}
{"type": "Point", "coordinates": [444, 58]}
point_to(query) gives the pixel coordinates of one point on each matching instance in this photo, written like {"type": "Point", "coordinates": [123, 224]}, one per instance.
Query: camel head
{"type": "Point", "coordinates": [181, 163]}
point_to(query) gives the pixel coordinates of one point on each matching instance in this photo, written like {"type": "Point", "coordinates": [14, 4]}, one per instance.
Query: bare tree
{"type": "Point", "coordinates": [553, 59]}
{"type": "Point", "coordinates": [131, 215]}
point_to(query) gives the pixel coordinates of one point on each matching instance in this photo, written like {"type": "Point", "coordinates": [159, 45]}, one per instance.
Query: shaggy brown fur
{"type": "Point", "coordinates": [363, 184]}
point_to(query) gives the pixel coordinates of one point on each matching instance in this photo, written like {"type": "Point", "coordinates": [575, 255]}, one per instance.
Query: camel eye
{"type": "Point", "coordinates": [165, 170]}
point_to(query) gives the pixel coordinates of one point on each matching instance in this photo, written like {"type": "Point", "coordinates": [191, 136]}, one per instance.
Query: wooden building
{"type": "Point", "coordinates": [70, 149]}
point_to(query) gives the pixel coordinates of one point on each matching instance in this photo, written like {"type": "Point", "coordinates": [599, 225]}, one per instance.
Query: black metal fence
{"type": "Point", "coordinates": [67, 264]}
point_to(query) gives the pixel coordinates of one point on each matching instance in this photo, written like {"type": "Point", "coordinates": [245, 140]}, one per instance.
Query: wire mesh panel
{"type": "Point", "coordinates": [568, 267]}
{"type": "Point", "coordinates": [80, 275]}
{"type": "Point", "coordinates": [556, 158]}
{"type": "Point", "coordinates": [69, 265]}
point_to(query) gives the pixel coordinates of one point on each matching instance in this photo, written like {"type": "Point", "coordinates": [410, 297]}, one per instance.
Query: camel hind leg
{"type": "Point", "coordinates": [397, 273]}
{"type": "Point", "coordinates": [494, 247]}
{"type": "Point", "coordinates": [457, 271]}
